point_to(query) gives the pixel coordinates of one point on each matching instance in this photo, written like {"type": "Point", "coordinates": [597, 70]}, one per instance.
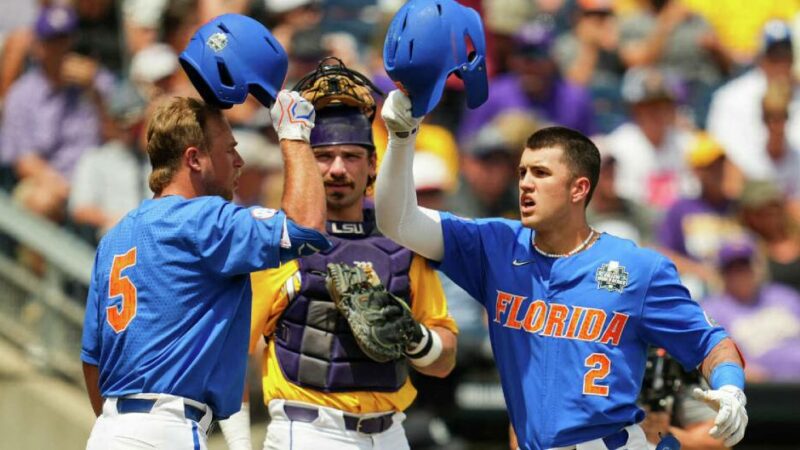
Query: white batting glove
{"type": "Point", "coordinates": [396, 113]}
{"type": "Point", "coordinates": [729, 402]}
{"type": "Point", "coordinates": [292, 116]}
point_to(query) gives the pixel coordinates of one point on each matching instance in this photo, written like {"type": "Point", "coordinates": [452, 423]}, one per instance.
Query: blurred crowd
{"type": "Point", "coordinates": [694, 104]}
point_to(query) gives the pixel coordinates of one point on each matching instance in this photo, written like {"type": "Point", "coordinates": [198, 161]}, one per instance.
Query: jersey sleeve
{"type": "Point", "coordinates": [272, 290]}
{"type": "Point", "coordinates": [673, 320]}
{"type": "Point", "coordinates": [463, 253]}
{"type": "Point", "coordinates": [90, 341]}
{"type": "Point", "coordinates": [233, 240]}
{"type": "Point", "coordinates": [429, 305]}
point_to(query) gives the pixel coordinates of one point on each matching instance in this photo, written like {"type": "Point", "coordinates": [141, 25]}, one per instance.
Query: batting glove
{"type": "Point", "coordinates": [729, 402]}
{"type": "Point", "coordinates": [292, 116]}
{"type": "Point", "coordinates": [396, 113]}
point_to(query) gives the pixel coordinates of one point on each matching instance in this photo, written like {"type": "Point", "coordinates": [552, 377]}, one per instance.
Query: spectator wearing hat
{"type": "Point", "coordinates": [588, 56]}
{"type": "Point", "coordinates": [695, 227]}
{"type": "Point", "coordinates": [668, 35]}
{"type": "Point", "coordinates": [783, 159]}
{"type": "Point", "coordinates": [736, 117]}
{"type": "Point", "coordinates": [289, 16]}
{"type": "Point", "coordinates": [488, 186]}
{"type": "Point", "coordinates": [764, 212]}
{"type": "Point", "coordinates": [154, 71]}
{"type": "Point", "coordinates": [650, 149]}
{"type": "Point", "coordinates": [763, 317]}
{"type": "Point", "coordinates": [52, 114]}
{"type": "Point", "coordinates": [533, 84]}
{"type": "Point", "coordinates": [111, 180]}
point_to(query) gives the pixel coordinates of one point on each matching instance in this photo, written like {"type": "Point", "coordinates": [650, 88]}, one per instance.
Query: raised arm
{"type": "Point", "coordinates": [396, 210]}
{"type": "Point", "coordinates": [303, 192]}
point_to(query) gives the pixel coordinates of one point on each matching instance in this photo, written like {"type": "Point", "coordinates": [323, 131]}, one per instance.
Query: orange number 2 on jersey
{"type": "Point", "coordinates": [119, 317]}
{"type": "Point", "coordinates": [600, 366]}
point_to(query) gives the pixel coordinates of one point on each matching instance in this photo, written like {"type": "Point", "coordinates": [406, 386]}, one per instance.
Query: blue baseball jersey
{"type": "Point", "coordinates": [168, 309]}
{"type": "Point", "coordinates": [570, 334]}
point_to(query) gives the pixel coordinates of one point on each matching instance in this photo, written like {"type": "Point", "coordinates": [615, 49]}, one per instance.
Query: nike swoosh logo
{"type": "Point", "coordinates": [518, 263]}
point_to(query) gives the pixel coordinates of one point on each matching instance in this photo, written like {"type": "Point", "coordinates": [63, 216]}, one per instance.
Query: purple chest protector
{"type": "Point", "coordinates": [313, 342]}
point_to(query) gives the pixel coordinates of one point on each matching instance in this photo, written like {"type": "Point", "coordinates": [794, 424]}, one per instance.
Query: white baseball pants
{"type": "Point", "coordinates": [328, 432]}
{"type": "Point", "coordinates": [165, 427]}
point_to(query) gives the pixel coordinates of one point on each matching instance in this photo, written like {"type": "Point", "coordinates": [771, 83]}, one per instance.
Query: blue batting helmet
{"type": "Point", "coordinates": [231, 56]}
{"type": "Point", "coordinates": [426, 42]}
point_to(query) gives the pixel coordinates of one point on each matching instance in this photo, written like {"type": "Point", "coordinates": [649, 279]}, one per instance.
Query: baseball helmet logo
{"type": "Point", "coordinates": [217, 42]}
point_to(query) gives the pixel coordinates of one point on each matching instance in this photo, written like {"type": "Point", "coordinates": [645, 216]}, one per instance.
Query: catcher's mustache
{"type": "Point", "coordinates": [339, 183]}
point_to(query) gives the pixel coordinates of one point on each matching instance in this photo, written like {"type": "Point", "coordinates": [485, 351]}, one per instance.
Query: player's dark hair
{"type": "Point", "coordinates": [580, 153]}
{"type": "Point", "coordinates": [177, 124]}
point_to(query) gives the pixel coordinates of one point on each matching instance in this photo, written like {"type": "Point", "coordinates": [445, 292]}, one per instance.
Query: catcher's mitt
{"type": "Point", "coordinates": [381, 322]}
{"type": "Point", "coordinates": [334, 84]}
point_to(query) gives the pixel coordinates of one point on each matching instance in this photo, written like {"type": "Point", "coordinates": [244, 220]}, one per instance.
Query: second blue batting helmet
{"type": "Point", "coordinates": [231, 56]}
{"type": "Point", "coordinates": [428, 40]}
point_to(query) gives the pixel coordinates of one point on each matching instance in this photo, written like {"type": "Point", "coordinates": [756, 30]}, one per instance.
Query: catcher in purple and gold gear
{"type": "Point", "coordinates": [321, 389]}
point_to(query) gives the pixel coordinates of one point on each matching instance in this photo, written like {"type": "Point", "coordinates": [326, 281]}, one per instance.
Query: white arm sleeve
{"type": "Point", "coordinates": [396, 211]}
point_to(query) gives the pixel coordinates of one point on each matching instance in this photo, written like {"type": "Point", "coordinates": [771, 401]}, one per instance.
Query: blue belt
{"type": "Point", "coordinates": [145, 405]}
{"type": "Point", "coordinates": [616, 440]}
{"type": "Point", "coordinates": [366, 425]}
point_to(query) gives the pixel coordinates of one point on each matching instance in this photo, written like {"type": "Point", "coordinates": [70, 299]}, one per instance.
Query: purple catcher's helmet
{"type": "Point", "coordinates": [231, 56]}
{"type": "Point", "coordinates": [426, 42]}
{"type": "Point", "coordinates": [339, 125]}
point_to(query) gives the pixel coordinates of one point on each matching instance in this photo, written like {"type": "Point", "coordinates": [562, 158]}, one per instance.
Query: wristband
{"type": "Point", "coordinates": [727, 373]}
{"type": "Point", "coordinates": [427, 350]}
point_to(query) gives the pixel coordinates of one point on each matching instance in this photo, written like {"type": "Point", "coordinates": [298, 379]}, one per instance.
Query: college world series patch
{"type": "Point", "coordinates": [611, 276]}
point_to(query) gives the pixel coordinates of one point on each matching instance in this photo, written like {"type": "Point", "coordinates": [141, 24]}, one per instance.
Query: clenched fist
{"type": "Point", "coordinates": [292, 116]}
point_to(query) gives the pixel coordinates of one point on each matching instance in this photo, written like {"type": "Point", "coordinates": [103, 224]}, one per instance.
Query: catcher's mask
{"type": "Point", "coordinates": [231, 56]}
{"type": "Point", "coordinates": [332, 84]}
{"type": "Point", "coordinates": [340, 125]}
{"type": "Point", "coordinates": [428, 40]}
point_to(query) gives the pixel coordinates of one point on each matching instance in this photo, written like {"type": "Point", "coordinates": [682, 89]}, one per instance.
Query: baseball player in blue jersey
{"type": "Point", "coordinates": [166, 329]}
{"type": "Point", "coordinates": [571, 310]}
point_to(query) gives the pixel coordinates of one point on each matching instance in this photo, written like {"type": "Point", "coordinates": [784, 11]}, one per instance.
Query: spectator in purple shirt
{"type": "Point", "coordinates": [763, 317]}
{"type": "Point", "coordinates": [52, 114]}
{"type": "Point", "coordinates": [533, 84]}
{"type": "Point", "coordinates": [695, 227]}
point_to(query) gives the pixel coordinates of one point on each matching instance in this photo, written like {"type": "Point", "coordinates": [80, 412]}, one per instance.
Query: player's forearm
{"type": "Point", "coordinates": [724, 352]}
{"type": "Point", "coordinates": [446, 361]}
{"type": "Point", "coordinates": [303, 192]}
{"type": "Point", "coordinates": [695, 437]}
{"type": "Point", "coordinates": [396, 211]}
{"type": "Point", "coordinates": [91, 375]}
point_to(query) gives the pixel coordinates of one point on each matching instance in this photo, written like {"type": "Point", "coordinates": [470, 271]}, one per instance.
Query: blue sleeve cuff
{"type": "Point", "coordinates": [727, 373]}
{"type": "Point", "coordinates": [302, 242]}
{"type": "Point", "coordinates": [88, 359]}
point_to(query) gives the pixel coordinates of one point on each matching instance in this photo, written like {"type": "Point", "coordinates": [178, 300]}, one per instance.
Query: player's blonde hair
{"type": "Point", "coordinates": [175, 125]}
